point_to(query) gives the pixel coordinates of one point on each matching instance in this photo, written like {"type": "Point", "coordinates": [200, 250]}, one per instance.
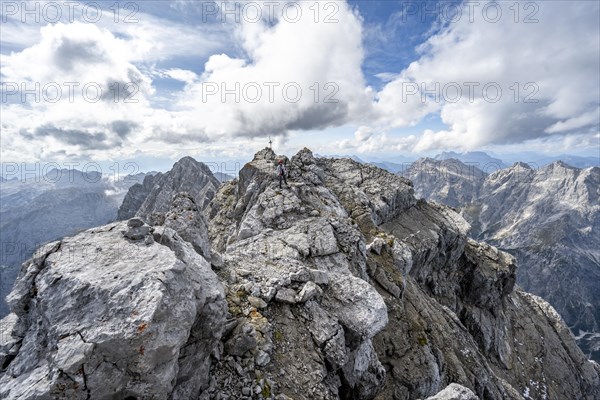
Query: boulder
{"type": "Point", "coordinates": [99, 316]}
{"type": "Point", "coordinates": [454, 391]}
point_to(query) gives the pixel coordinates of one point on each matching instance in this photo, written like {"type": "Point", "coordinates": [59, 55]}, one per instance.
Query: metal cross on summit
{"type": "Point", "coordinates": [270, 142]}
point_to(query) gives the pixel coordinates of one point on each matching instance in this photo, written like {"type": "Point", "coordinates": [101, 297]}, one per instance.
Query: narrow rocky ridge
{"type": "Point", "coordinates": [340, 286]}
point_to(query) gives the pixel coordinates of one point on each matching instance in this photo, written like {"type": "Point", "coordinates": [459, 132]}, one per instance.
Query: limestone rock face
{"type": "Point", "coordinates": [454, 392]}
{"type": "Point", "coordinates": [297, 250]}
{"type": "Point", "coordinates": [103, 316]}
{"type": "Point", "coordinates": [187, 220]}
{"type": "Point", "coordinates": [187, 175]}
{"type": "Point", "coordinates": [339, 286]}
{"type": "Point", "coordinates": [469, 288]}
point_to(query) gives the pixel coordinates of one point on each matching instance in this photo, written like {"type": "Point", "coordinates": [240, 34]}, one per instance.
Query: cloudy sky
{"type": "Point", "coordinates": [157, 80]}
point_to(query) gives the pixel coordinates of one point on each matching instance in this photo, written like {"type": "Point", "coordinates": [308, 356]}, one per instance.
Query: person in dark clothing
{"type": "Point", "coordinates": [281, 173]}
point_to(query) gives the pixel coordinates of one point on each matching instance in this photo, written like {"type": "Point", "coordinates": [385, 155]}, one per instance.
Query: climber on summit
{"type": "Point", "coordinates": [281, 173]}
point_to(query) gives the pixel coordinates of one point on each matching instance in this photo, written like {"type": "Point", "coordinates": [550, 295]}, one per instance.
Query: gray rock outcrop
{"type": "Point", "coordinates": [454, 392]}
{"type": "Point", "coordinates": [187, 220]}
{"type": "Point", "coordinates": [102, 315]}
{"type": "Point", "coordinates": [297, 250]}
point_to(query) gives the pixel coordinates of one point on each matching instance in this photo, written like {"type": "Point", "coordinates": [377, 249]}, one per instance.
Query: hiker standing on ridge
{"type": "Point", "coordinates": [281, 173]}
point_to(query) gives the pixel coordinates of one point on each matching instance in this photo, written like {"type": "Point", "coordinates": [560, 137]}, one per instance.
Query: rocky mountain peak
{"type": "Point", "coordinates": [561, 170]}
{"type": "Point", "coordinates": [265, 154]}
{"type": "Point", "coordinates": [520, 165]}
{"type": "Point", "coordinates": [187, 163]}
{"type": "Point", "coordinates": [561, 164]}
{"type": "Point", "coordinates": [519, 172]}
{"type": "Point", "coordinates": [479, 158]}
{"type": "Point", "coordinates": [340, 285]}
{"type": "Point", "coordinates": [152, 199]}
{"type": "Point", "coordinates": [426, 161]}
{"type": "Point", "coordinates": [306, 155]}
{"type": "Point", "coordinates": [449, 181]}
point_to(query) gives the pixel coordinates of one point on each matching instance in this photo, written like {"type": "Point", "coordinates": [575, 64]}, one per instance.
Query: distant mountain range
{"type": "Point", "coordinates": [489, 163]}
{"type": "Point", "coordinates": [548, 218]}
{"type": "Point", "coordinates": [537, 161]}
{"type": "Point", "coordinates": [479, 159]}
{"type": "Point", "coordinates": [223, 177]}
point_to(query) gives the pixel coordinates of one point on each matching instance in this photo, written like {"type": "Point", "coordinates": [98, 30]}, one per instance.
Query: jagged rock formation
{"type": "Point", "coordinates": [151, 200]}
{"type": "Point", "coordinates": [135, 197]}
{"type": "Point", "coordinates": [549, 219]}
{"type": "Point", "coordinates": [299, 256]}
{"type": "Point", "coordinates": [186, 218]}
{"type": "Point", "coordinates": [340, 286]}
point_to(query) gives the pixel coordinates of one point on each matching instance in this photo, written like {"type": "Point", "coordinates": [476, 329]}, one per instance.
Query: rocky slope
{"type": "Point", "coordinates": [549, 219]}
{"type": "Point", "coordinates": [340, 286]}
{"type": "Point", "coordinates": [104, 316]}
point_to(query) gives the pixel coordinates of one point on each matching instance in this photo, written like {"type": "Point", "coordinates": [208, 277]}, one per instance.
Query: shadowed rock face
{"type": "Point", "coordinates": [468, 288]}
{"type": "Point", "coordinates": [340, 286]}
{"type": "Point", "coordinates": [549, 219]}
{"type": "Point", "coordinates": [135, 197]}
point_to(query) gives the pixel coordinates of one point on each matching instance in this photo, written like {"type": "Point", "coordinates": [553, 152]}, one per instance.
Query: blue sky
{"type": "Point", "coordinates": [392, 36]}
{"type": "Point", "coordinates": [406, 78]}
